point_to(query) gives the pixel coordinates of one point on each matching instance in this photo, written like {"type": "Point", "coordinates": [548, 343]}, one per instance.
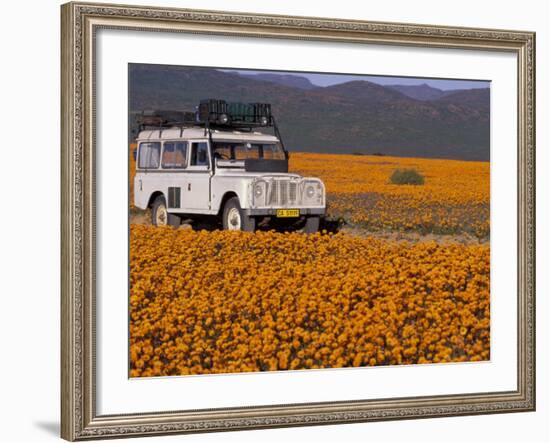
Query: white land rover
{"type": "Point", "coordinates": [215, 162]}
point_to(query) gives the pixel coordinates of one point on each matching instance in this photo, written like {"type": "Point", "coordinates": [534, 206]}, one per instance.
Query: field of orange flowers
{"type": "Point", "coordinates": [454, 198]}
{"type": "Point", "coordinates": [216, 302]}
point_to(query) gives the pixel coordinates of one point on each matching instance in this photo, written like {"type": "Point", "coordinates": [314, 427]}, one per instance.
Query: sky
{"type": "Point", "coordinates": [333, 79]}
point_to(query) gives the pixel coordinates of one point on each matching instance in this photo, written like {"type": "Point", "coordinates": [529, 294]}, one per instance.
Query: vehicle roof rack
{"type": "Point", "coordinates": [211, 113]}
{"type": "Point", "coordinates": [160, 119]}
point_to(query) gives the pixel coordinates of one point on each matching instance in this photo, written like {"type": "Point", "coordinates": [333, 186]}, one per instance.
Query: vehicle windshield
{"type": "Point", "coordinates": [243, 150]}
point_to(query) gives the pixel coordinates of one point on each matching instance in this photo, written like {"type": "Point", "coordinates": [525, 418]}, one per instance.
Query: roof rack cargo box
{"type": "Point", "coordinates": [234, 114]}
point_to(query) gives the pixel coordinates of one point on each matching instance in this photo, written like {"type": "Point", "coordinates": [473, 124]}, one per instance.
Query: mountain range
{"type": "Point", "coordinates": [354, 117]}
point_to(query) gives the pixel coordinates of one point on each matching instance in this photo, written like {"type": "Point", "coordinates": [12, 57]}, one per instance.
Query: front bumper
{"type": "Point", "coordinates": [273, 211]}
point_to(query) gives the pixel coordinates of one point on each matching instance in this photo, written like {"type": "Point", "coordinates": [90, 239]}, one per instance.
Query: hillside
{"type": "Point", "coordinates": [357, 116]}
{"type": "Point", "coordinates": [419, 92]}
{"type": "Point", "coordinates": [294, 81]}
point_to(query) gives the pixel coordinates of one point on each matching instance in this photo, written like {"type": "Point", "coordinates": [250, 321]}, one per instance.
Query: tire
{"type": "Point", "coordinates": [312, 224]}
{"type": "Point", "coordinates": [160, 215]}
{"type": "Point", "coordinates": [234, 218]}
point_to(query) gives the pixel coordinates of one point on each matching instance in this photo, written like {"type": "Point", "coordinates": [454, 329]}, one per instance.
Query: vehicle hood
{"type": "Point", "coordinates": [240, 173]}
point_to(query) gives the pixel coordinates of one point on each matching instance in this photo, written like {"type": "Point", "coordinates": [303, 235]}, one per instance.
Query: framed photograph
{"type": "Point", "coordinates": [277, 221]}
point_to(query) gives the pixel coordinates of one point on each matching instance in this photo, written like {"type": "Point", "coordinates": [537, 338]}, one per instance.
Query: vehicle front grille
{"type": "Point", "coordinates": [282, 192]}
{"type": "Point", "coordinates": [273, 193]}
{"type": "Point", "coordinates": [292, 191]}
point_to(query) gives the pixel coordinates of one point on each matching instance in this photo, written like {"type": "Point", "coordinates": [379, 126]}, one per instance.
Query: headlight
{"type": "Point", "coordinates": [312, 192]}
{"type": "Point", "coordinates": [258, 191]}
{"type": "Point", "coordinates": [263, 121]}
{"type": "Point", "coordinates": [223, 119]}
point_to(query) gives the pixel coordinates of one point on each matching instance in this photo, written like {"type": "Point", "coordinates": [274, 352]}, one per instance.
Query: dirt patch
{"type": "Point", "coordinates": [416, 237]}
{"type": "Point", "coordinates": [140, 217]}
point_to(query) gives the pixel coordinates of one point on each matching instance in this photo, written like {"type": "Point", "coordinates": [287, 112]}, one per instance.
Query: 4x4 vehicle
{"type": "Point", "coordinates": [215, 162]}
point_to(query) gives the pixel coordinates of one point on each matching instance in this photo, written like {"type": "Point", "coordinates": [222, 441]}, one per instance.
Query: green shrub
{"type": "Point", "coordinates": [407, 177]}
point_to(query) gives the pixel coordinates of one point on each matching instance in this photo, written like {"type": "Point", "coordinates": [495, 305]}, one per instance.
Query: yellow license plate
{"type": "Point", "coordinates": [288, 213]}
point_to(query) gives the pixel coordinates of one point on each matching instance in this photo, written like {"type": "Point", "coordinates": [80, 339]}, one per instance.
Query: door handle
{"type": "Point", "coordinates": [188, 186]}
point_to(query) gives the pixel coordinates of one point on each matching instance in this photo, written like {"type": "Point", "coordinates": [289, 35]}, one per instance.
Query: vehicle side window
{"type": "Point", "coordinates": [149, 155]}
{"type": "Point", "coordinates": [174, 155]}
{"type": "Point", "coordinates": [199, 154]}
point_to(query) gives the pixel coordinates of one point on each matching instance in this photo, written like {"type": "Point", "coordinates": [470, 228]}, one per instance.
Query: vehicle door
{"type": "Point", "coordinates": [173, 167]}
{"type": "Point", "coordinates": [196, 193]}
{"type": "Point", "coordinates": [147, 167]}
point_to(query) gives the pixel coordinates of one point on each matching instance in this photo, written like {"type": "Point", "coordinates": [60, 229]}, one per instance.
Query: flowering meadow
{"type": "Point", "coordinates": [454, 198]}
{"type": "Point", "coordinates": [224, 301]}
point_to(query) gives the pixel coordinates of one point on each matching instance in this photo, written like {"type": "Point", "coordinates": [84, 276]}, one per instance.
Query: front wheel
{"type": "Point", "coordinates": [312, 224]}
{"type": "Point", "coordinates": [160, 215]}
{"type": "Point", "coordinates": [234, 218]}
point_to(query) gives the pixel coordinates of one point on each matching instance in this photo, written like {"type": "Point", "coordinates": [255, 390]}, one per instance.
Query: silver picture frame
{"type": "Point", "coordinates": [80, 22]}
